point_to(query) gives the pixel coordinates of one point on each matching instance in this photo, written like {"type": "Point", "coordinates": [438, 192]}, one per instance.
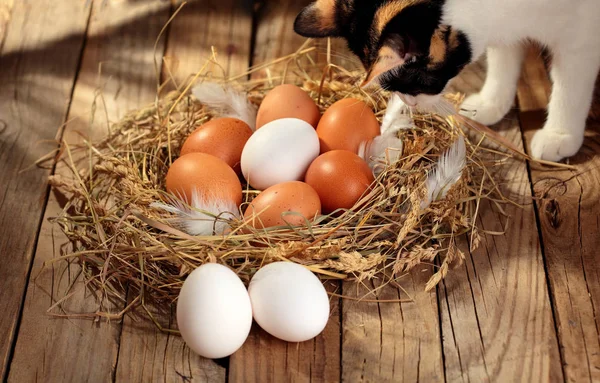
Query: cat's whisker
{"type": "Point", "coordinates": [348, 57]}
{"type": "Point", "coordinates": [445, 110]}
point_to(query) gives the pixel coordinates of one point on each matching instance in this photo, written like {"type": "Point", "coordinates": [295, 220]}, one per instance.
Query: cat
{"type": "Point", "coordinates": [415, 47]}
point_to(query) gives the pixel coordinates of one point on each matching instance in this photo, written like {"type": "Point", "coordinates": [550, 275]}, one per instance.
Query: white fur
{"type": "Point", "coordinates": [569, 28]}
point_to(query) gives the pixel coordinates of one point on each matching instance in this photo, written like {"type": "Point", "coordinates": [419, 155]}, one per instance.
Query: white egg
{"type": "Point", "coordinates": [214, 313]}
{"type": "Point", "coordinates": [280, 151]}
{"type": "Point", "coordinates": [289, 302]}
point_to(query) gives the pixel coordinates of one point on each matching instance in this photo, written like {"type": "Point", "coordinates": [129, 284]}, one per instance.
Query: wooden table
{"type": "Point", "coordinates": [521, 308]}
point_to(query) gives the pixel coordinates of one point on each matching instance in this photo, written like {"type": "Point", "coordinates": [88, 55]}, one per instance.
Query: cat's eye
{"type": "Point", "coordinates": [409, 58]}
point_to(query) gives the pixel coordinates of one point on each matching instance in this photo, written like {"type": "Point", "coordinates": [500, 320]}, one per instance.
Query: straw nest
{"type": "Point", "coordinates": [123, 244]}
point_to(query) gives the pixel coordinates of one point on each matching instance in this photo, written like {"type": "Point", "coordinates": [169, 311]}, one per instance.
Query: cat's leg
{"type": "Point", "coordinates": [573, 76]}
{"type": "Point", "coordinates": [496, 97]}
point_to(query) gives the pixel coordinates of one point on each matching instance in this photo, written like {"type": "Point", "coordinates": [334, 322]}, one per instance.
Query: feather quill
{"type": "Point", "coordinates": [447, 172]}
{"type": "Point", "coordinates": [384, 149]}
{"type": "Point", "coordinates": [204, 216]}
{"type": "Point", "coordinates": [226, 102]}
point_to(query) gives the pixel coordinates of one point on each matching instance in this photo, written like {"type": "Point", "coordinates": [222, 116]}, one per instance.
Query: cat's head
{"type": "Point", "coordinates": [402, 43]}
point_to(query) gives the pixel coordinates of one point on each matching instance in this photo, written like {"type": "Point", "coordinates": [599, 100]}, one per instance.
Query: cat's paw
{"type": "Point", "coordinates": [552, 145]}
{"type": "Point", "coordinates": [484, 110]}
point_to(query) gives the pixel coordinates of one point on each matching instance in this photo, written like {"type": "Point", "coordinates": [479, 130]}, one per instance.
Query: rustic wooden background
{"type": "Point", "coordinates": [522, 308]}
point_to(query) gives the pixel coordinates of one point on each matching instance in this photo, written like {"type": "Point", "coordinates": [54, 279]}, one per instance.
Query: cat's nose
{"type": "Point", "coordinates": [368, 80]}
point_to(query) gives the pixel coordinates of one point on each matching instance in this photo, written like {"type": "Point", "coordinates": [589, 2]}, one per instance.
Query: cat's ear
{"type": "Point", "coordinates": [317, 20]}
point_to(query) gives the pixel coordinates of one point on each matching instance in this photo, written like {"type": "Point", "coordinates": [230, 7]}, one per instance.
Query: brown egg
{"type": "Point", "coordinates": [212, 179]}
{"type": "Point", "coordinates": [269, 207]}
{"type": "Point", "coordinates": [223, 138]}
{"type": "Point", "coordinates": [287, 101]}
{"type": "Point", "coordinates": [346, 124]}
{"type": "Point", "coordinates": [340, 178]}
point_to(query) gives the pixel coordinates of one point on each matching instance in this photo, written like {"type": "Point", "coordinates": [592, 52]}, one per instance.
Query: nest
{"type": "Point", "coordinates": [124, 245]}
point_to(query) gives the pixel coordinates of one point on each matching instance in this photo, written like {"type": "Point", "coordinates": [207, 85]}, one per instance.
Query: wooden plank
{"type": "Point", "coordinates": [496, 314]}
{"type": "Point", "coordinates": [37, 80]}
{"type": "Point", "coordinates": [275, 37]}
{"type": "Point", "coordinates": [568, 211]}
{"type": "Point", "coordinates": [392, 342]}
{"type": "Point", "coordinates": [315, 360]}
{"type": "Point", "coordinates": [6, 7]}
{"type": "Point", "coordinates": [147, 354]}
{"type": "Point", "coordinates": [533, 91]}
{"type": "Point", "coordinates": [225, 25]}
{"type": "Point", "coordinates": [121, 36]}
{"type": "Point", "coordinates": [264, 358]}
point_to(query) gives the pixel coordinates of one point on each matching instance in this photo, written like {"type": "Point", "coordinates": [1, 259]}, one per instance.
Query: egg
{"type": "Point", "coordinates": [346, 124]}
{"type": "Point", "coordinates": [223, 138]}
{"type": "Point", "coordinates": [289, 302]}
{"type": "Point", "coordinates": [273, 207]}
{"type": "Point", "coordinates": [340, 178]}
{"type": "Point", "coordinates": [280, 151]}
{"type": "Point", "coordinates": [207, 176]}
{"type": "Point", "coordinates": [214, 313]}
{"type": "Point", "coordinates": [287, 101]}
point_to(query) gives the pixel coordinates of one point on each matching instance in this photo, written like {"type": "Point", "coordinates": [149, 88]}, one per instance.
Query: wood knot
{"type": "Point", "coordinates": [231, 49]}
{"type": "Point", "coordinates": [552, 211]}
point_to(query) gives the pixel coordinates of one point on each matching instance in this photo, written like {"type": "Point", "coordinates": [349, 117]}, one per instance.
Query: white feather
{"type": "Point", "coordinates": [226, 102]}
{"type": "Point", "coordinates": [205, 216]}
{"type": "Point", "coordinates": [447, 172]}
{"type": "Point", "coordinates": [397, 116]}
{"type": "Point", "coordinates": [384, 149]}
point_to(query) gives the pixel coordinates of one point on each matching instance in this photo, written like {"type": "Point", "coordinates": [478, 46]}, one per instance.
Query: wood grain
{"type": "Point", "coordinates": [264, 358]}
{"type": "Point", "coordinates": [568, 211]}
{"type": "Point", "coordinates": [392, 342]}
{"type": "Point", "coordinates": [496, 315]}
{"type": "Point", "coordinates": [534, 87]}
{"type": "Point", "coordinates": [121, 37]}
{"type": "Point", "coordinates": [149, 355]}
{"type": "Point", "coordinates": [275, 37]}
{"type": "Point", "coordinates": [146, 353]}
{"type": "Point", "coordinates": [36, 83]}
{"type": "Point", "coordinates": [6, 7]}
{"type": "Point", "coordinates": [225, 25]}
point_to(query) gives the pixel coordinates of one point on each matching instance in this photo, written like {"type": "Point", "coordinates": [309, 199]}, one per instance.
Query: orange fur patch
{"type": "Point", "coordinates": [438, 47]}
{"type": "Point", "coordinates": [327, 13]}
{"type": "Point", "coordinates": [388, 11]}
{"type": "Point", "coordinates": [453, 39]}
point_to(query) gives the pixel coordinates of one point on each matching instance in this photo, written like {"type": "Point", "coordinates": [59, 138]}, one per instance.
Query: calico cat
{"type": "Point", "coordinates": [415, 47]}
